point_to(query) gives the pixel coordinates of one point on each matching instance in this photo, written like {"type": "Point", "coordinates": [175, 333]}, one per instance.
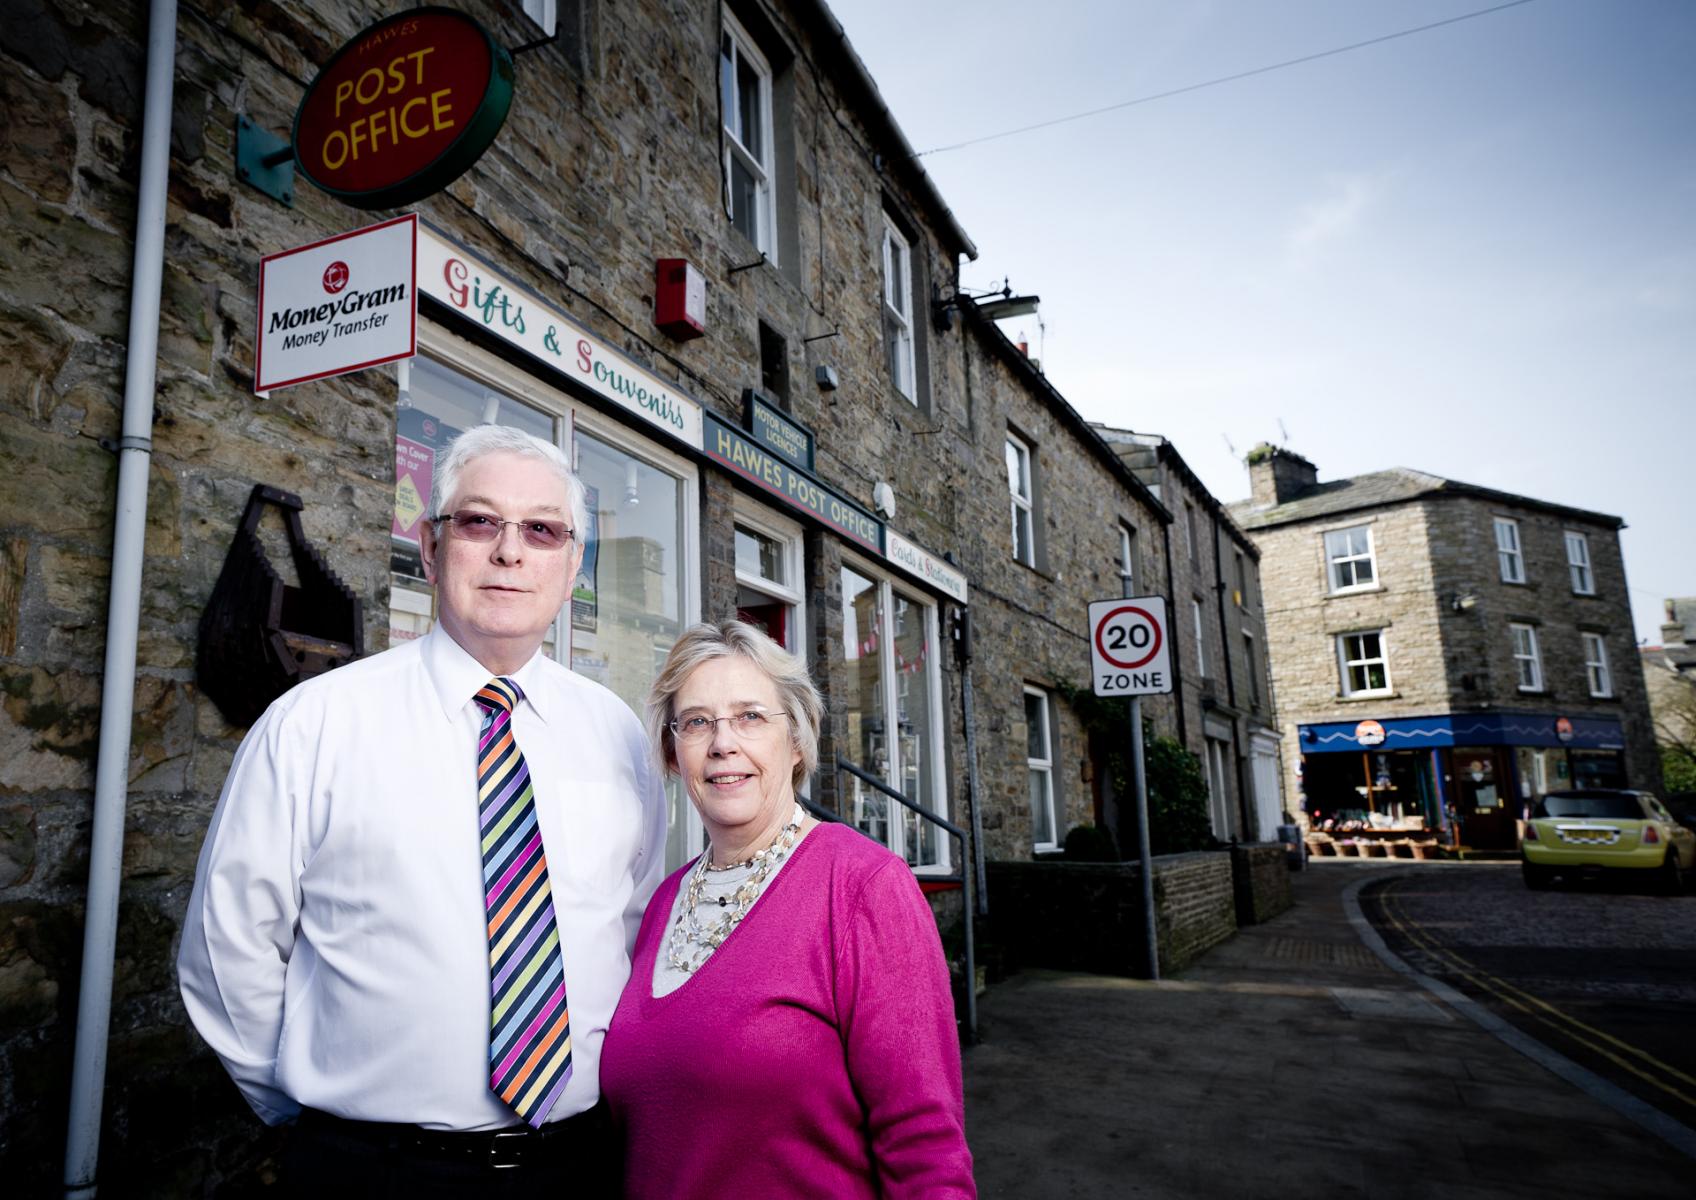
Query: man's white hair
{"type": "Point", "coordinates": [503, 439]}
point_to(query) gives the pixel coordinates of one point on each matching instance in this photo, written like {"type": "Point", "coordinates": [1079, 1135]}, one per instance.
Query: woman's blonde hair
{"type": "Point", "coordinates": [709, 640]}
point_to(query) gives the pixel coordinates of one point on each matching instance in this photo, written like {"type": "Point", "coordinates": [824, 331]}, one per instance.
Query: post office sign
{"type": "Point", "coordinates": [403, 109]}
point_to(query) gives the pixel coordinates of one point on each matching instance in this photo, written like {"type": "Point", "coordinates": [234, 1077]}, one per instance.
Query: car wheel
{"type": "Point", "coordinates": [1671, 875]}
{"type": "Point", "coordinates": [1536, 878]}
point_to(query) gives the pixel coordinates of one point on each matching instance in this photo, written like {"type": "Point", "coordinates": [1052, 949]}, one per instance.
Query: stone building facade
{"type": "Point", "coordinates": [831, 459]}
{"type": "Point", "coordinates": [1218, 620]}
{"type": "Point", "coordinates": [1669, 671]}
{"type": "Point", "coordinates": [1443, 653]}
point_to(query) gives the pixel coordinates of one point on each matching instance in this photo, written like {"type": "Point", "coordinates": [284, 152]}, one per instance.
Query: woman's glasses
{"type": "Point", "coordinates": [476, 526]}
{"type": "Point", "coordinates": [749, 725]}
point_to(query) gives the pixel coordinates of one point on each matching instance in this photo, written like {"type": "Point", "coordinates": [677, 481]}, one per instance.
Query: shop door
{"type": "Point", "coordinates": [1484, 800]}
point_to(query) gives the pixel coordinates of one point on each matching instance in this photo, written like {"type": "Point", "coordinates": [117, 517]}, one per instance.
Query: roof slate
{"type": "Point", "coordinates": [1377, 488]}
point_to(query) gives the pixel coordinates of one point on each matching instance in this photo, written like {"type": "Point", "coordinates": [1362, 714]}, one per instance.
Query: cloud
{"type": "Point", "coordinates": [1332, 217]}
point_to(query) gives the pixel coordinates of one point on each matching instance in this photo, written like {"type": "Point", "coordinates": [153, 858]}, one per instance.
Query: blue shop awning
{"type": "Point", "coordinates": [1549, 730]}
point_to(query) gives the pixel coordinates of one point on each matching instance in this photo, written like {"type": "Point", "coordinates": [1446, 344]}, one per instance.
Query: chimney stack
{"type": "Point", "coordinates": [1277, 476]}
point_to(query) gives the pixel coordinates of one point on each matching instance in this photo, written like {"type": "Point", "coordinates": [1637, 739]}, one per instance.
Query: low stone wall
{"type": "Point", "coordinates": [1088, 916]}
{"type": "Point", "coordinates": [1260, 879]}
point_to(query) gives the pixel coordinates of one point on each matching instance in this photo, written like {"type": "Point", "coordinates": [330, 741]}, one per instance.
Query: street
{"type": "Point", "coordinates": [1292, 1060]}
{"type": "Point", "coordinates": [1604, 974]}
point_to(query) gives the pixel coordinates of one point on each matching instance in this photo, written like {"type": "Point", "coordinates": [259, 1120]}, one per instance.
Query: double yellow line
{"type": "Point", "coordinates": [1570, 1027]}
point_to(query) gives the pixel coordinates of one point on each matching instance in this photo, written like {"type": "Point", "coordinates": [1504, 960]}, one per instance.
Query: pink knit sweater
{"type": "Point", "coordinates": [814, 1054]}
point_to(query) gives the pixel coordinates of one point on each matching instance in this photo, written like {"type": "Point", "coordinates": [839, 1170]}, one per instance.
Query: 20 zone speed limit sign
{"type": "Point", "coordinates": [1129, 650]}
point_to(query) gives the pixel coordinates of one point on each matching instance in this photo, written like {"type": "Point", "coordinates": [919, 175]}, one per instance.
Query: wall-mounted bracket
{"type": "Point", "coordinates": [265, 161]}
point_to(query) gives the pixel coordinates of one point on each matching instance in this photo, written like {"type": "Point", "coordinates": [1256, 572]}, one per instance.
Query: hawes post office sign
{"type": "Point", "coordinates": [403, 109]}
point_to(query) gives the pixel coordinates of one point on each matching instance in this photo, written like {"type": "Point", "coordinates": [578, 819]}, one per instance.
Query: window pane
{"type": "Point", "coordinates": [1042, 809]}
{"type": "Point", "coordinates": [862, 626]}
{"type": "Point", "coordinates": [1036, 728]}
{"type": "Point", "coordinates": [1018, 471]}
{"type": "Point", "coordinates": [627, 603]}
{"type": "Point", "coordinates": [1022, 534]}
{"type": "Point", "coordinates": [759, 555]}
{"type": "Point", "coordinates": [766, 613]}
{"type": "Point", "coordinates": [727, 84]}
{"type": "Point", "coordinates": [750, 130]}
{"type": "Point", "coordinates": [744, 199]}
{"type": "Point", "coordinates": [913, 725]}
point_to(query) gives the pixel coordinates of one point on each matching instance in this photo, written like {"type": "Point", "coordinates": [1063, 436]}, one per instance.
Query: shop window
{"type": "Point", "coordinates": [898, 309]}
{"type": "Point", "coordinates": [436, 405]}
{"type": "Point", "coordinates": [1528, 663]}
{"type": "Point", "coordinates": [1596, 665]}
{"type": "Point", "coordinates": [1578, 564]}
{"type": "Point", "coordinates": [1597, 769]}
{"type": "Point", "coordinates": [893, 715]}
{"type": "Point", "coordinates": [1022, 490]}
{"type": "Point", "coordinates": [745, 97]}
{"type": "Point", "coordinates": [774, 364]}
{"type": "Point", "coordinates": [769, 592]}
{"type": "Point", "coordinates": [1351, 561]}
{"type": "Point", "coordinates": [1508, 553]}
{"type": "Point", "coordinates": [1364, 663]}
{"type": "Point", "coordinates": [1128, 557]}
{"type": "Point", "coordinates": [1039, 765]}
{"type": "Point", "coordinates": [635, 589]}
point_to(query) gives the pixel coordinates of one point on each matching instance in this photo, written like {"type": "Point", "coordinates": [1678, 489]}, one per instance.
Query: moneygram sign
{"type": "Point", "coordinates": [403, 109]}
{"type": "Point", "coordinates": [338, 305]}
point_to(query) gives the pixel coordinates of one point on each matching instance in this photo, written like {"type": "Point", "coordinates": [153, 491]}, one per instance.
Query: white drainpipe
{"type": "Point", "coordinates": [123, 615]}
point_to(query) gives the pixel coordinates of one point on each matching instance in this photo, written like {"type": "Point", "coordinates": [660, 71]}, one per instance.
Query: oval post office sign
{"type": "Point", "coordinates": [403, 109]}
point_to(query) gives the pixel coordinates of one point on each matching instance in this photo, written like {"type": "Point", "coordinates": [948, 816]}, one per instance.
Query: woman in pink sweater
{"type": "Point", "coordinates": [788, 1028]}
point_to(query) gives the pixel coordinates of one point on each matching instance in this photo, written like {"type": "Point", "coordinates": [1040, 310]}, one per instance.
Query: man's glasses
{"type": "Point", "coordinates": [476, 526]}
{"type": "Point", "coordinates": [749, 725]}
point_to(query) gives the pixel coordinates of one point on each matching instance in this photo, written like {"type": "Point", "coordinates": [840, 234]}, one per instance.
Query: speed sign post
{"type": "Point", "coordinates": [1130, 654]}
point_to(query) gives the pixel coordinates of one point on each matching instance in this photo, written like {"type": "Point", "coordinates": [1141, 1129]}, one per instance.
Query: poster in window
{"type": "Point", "coordinates": [585, 606]}
{"type": "Point", "coordinates": [419, 438]}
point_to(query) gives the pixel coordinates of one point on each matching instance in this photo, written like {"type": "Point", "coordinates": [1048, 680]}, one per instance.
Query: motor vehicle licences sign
{"type": "Point", "coordinates": [339, 305]}
{"type": "Point", "coordinates": [1130, 653]}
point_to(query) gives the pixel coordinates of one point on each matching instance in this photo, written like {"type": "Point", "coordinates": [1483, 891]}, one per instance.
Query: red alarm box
{"type": "Point", "coordinates": [680, 298]}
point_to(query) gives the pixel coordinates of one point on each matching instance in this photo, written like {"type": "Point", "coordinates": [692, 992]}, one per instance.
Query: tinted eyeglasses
{"type": "Point", "coordinates": [476, 526]}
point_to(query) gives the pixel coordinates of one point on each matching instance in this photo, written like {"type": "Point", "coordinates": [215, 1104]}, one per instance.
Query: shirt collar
{"type": "Point", "coordinates": [456, 677]}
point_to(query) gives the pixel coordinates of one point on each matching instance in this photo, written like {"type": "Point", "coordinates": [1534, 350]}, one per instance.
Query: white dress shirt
{"type": "Point", "coordinates": [335, 952]}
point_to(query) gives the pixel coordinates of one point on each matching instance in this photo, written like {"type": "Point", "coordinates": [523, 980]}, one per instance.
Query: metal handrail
{"type": "Point", "coordinates": [964, 879]}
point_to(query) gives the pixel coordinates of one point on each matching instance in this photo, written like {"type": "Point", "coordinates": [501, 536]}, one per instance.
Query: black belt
{"type": "Point", "coordinates": [513, 1146]}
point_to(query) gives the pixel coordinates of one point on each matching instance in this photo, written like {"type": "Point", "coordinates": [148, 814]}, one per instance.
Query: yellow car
{"type": "Point", "coordinates": [1601, 829]}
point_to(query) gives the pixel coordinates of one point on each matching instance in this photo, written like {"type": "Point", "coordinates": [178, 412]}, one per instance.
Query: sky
{"type": "Point", "coordinates": [1471, 251]}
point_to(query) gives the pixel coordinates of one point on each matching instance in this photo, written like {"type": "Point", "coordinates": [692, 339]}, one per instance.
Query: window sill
{"type": "Point", "coordinates": [1354, 697]}
{"type": "Point", "coordinates": [1339, 593]}
{"type": "Point", "coordinates": [1532, 691]}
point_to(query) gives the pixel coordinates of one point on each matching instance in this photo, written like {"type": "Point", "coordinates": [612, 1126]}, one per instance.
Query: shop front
{"type": "Point", "coordinates": [491, 352]}
{"type": "Point", "coordinates": [1462, 780]}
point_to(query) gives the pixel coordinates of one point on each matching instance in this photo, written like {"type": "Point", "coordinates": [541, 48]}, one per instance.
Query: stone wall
{"type": "Point", "coordinates": [1260, 881]}
{"type": "Point", "coordinates": [608, 161]}
{"type": "Point", "coordinates": [1088, 916]}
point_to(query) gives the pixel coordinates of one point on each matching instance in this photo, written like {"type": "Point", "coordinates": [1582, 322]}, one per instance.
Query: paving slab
{"type": "Point", "coordinates": [1289, 1061]}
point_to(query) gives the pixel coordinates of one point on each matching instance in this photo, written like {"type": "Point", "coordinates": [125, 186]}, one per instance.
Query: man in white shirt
{"type": "Point", "coordinates": [349, 950]}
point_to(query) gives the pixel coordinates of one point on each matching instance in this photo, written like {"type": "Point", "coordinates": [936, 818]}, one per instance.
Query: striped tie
{"type": "Point", "coordinates": [529, 1026]}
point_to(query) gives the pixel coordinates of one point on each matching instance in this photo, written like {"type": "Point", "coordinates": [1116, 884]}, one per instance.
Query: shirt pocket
{"type": "Point", "coordinates": [591, 837]}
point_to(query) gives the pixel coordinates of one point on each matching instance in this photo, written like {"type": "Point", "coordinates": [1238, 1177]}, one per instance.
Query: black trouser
{"type": "Point", "coordinates": [571, 1159]}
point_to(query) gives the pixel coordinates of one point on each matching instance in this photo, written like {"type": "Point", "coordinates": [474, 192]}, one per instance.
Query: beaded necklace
{"type": "Point", "coordinates": [692, 942]}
